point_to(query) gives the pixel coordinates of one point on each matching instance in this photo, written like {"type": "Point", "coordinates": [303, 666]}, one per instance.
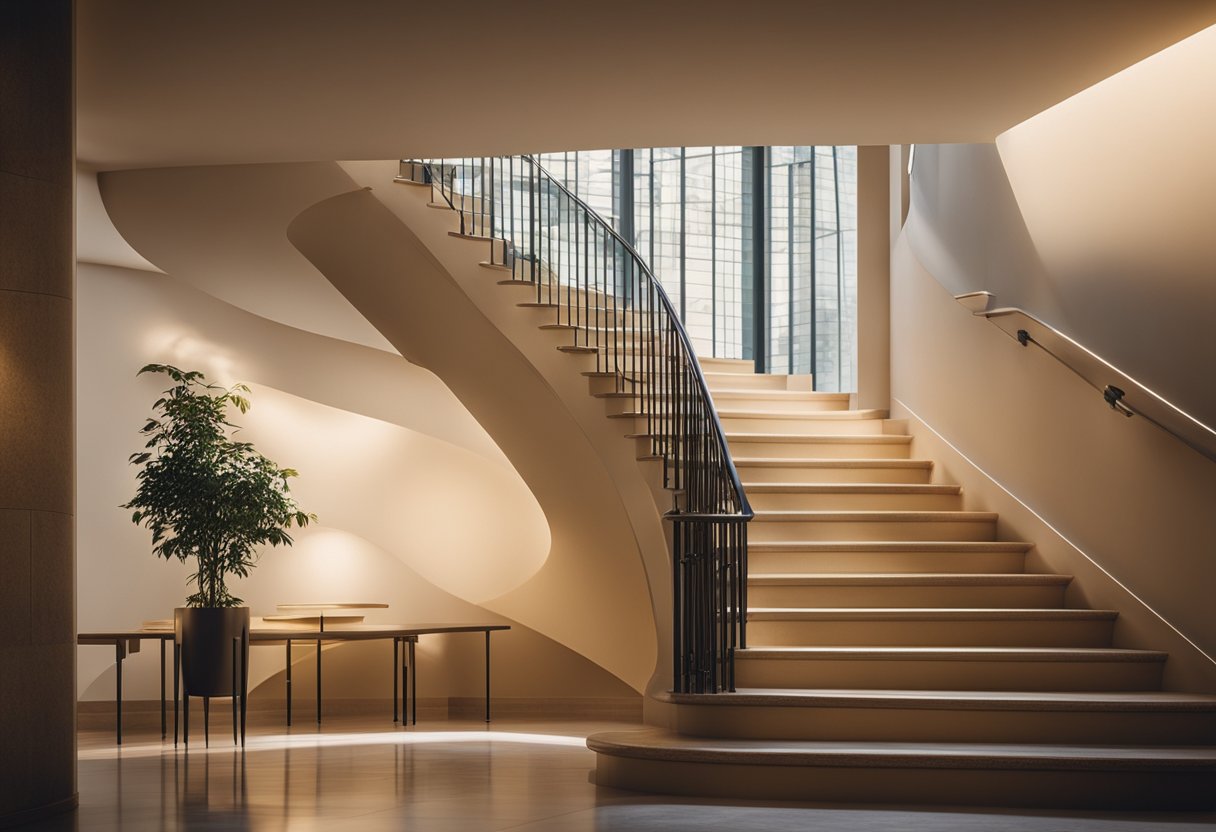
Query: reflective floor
{"type": "Point", "coordinates": [360, 774]}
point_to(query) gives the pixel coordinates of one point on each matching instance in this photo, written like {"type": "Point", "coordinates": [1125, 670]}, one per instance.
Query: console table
{"type": "Point", "coordinates": [125, 642]}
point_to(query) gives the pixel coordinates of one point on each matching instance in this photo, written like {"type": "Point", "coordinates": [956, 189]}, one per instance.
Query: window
{"type": "Point", "coordinates": [689, 212]}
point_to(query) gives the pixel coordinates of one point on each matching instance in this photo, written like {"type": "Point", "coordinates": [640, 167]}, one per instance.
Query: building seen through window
{"type": "Point", "coordinates": [713, 222]}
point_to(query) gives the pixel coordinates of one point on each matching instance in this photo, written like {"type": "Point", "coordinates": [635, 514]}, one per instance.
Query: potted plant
{"type": "Point", "coordinates": [208, 497]}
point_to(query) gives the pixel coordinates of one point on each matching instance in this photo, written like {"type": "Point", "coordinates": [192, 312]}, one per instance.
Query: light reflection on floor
{"type": "Point", "coordinates": [526, 776]}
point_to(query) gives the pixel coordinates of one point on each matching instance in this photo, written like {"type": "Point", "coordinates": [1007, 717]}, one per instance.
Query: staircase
{"type": "Point", "coordinates": [898, 652]}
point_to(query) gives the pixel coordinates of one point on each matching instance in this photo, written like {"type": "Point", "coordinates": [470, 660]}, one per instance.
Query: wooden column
{"type": "Point", "coordinates": [37, 454]}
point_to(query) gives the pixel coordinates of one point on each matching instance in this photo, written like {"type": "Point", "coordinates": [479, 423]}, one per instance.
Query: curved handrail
{"type": "Point", "coordinates": [745, 508]}
{"type": "Point", "coordinates": [601, 289]}
{"type": "Point", "coordinates": [1119, 390]}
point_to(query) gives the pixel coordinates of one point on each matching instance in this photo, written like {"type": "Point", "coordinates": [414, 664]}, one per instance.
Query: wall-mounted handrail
{"type": "Point", "coordinates": [598, 288]}
{"type": "Point", "coordinates": [1120, 391]}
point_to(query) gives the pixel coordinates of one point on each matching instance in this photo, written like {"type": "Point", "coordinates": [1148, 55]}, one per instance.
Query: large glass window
{"type": "Point", "coordinates": [689, 211]}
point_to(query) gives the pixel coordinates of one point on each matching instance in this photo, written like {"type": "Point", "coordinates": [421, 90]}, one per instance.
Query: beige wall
{"type": "Point", "coordinates": [1096, 217]}
{"type": "Point", "coordinates": [1121, 505]}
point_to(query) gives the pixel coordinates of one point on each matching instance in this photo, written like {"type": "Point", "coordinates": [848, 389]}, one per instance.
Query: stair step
{"type": "Point", "coordinates": [885, 556]}
{"type": "Point", "coordinates": [767, 496]}
{"type": "Point", "coordinates": [757, 381]}
{"type": "Point", "coordinates": [822, 446]}
{"type": "Point", "coordinates": [792, 401]}
{"type": "Point", "coordinates": [837, 422]}
{"type": "Point", "coordinates": [1009, 591]}
{"type": "Point", "coordinates": [817, 469]}
{"type": "Point", "coordinates": [995, 774]}
{"type": "Point", "coordinates": [728, 365]}
{"type": "Point", "coordinates": [796, 526]}
{"type": "Point", "coordinates": [950, 668]}
{"type": "Point", "coordinates": [1138, 717]}
{"type": "Point", "coordinates": [928, 627]}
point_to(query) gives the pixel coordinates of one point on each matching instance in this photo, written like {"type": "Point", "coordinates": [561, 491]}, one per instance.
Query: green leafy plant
{"type": "Point", "coordinates": [204, 495]}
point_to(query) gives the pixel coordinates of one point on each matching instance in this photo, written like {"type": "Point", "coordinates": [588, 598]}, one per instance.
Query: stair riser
{"type": "Point", "coordinates": [987, 597]}
{"type": "Point", "coordinates": [727, 365]}
{"type": "Point", "coordinates": [947, 675]}
{"type": "Point", "coordinates": [1045, 788]}
{"type": "Point", "coordinates": [894, 724]}
{"type": "Point", "coordinates": [804, 426]}
{"type": "Point", "coordinates": [822, 474]}
{"type": "Point", "coordinates": [970, 530]}
{"type": "Point", "coordinates": [767, 563]}
{"type": "Point", "coordinates": [782, 405]}
{"type": "Point", "coordinates": [759, 381]}
{"type": "Point", "coordinates": [1051, 633]}
{"type": "Point", "coordinates": [819, 450]}
{"type": "Point", "coordinates": [801, 501]}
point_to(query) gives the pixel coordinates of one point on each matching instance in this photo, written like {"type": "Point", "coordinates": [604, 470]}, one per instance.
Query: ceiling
{"type": "Point", "coordinates": [230, 81]}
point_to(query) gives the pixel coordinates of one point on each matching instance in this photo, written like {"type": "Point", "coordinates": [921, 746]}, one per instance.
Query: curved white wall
{"type": "Point", "coordinates": [419, 508]}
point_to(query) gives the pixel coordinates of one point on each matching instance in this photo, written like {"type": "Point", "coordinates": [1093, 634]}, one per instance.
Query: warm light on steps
{"type": "Point", "coordinates": [928, 627]}
{"type": "Point", "coordinates": [793, 526]}
{"type": "Point", "coordinates": [904, 590]}
{"type": "Point", "coordinates": [758, 469]}
{"type": "Point", "coordinates": [950, 668]}
{"type": "Point", "coordinates": [933, 556]}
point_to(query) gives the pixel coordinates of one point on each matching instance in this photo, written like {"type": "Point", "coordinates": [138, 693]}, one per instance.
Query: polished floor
{"type": "Point", "coordinates": [362, 774]}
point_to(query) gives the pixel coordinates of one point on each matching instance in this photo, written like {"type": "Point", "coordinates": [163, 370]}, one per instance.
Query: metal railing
{"type": "Point", "coordinates": [1120, 391]}
{"type": "Point", "coordinates": [597, 287]}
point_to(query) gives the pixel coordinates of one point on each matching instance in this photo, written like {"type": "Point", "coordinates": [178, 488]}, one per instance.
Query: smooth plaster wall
{"type": "Point", "coordinates": [390, 461]}
{"type": "Point", "coordinates": [595, 591]}
{"type": "Point", "coordinates": [37, 720]}
{"type": "Point", "coordinates": [1116, 502]}
{"type": "Point", "coordinates": [419, 506]}
{"type": "Point", "coordinates": [1096, 216]}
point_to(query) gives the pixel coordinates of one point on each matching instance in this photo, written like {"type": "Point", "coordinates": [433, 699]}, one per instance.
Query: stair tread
{"type": "Point", "coordinates": [928, 516]}
{"type": "Point", "coordinates": [821, 438]}
{"type": "Point", "coordinates": [833, 415]}
{"type": "Point", "coordinates": [909, 579]}
{"type": "Point", "coordinates": [1136, 701]}
{"type": "Point", "coordinates": [926, 614]}
{"type": "Point", "coordinates": [661, 744]}
{"type": "Point", "coordinates": [889, 546]}
{"type": "Point", "coordinates": [999, 654]}
{"type": "Point", "coordinates": [822, 462]}
{"type": "Point", "coordinates": [778, 395]}
{"type": "Point", "coordinates": [850, 488]}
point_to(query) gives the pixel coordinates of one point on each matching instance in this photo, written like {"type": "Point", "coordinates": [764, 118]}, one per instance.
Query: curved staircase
{"type": "Point", "coordinates": [898, 652]}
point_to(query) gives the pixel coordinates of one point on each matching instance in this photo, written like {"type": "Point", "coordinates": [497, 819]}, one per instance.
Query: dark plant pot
{"type": "Point", "coordinates": [213, 644]}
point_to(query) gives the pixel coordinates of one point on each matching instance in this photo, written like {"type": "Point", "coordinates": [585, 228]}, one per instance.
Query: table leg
{"type": "Point", "coordinates": [177, 664]}
{"type": "Point", "coordinates": [288, 683]}
{"type": "Point", "coordinates": [118, 650]}
{"type": "Point", "coordinates": [206, 722]}
{"type": "Point", "coordinates": [487, 675]}
{"type": "Point", "coordinates": [396, 691]}
{"type": "Point", "coordinates": [164, 724]}
{"type": "Point", "coordinates": [318, 681]}
{"type": "Point", "coordinates": [413, 671]}
{"type": "Point", "coordinates": [236, 651]}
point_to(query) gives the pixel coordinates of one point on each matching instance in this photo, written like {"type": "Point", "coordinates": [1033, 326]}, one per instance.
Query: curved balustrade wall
{"type": "Point", "coordinates": [603, 293]}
